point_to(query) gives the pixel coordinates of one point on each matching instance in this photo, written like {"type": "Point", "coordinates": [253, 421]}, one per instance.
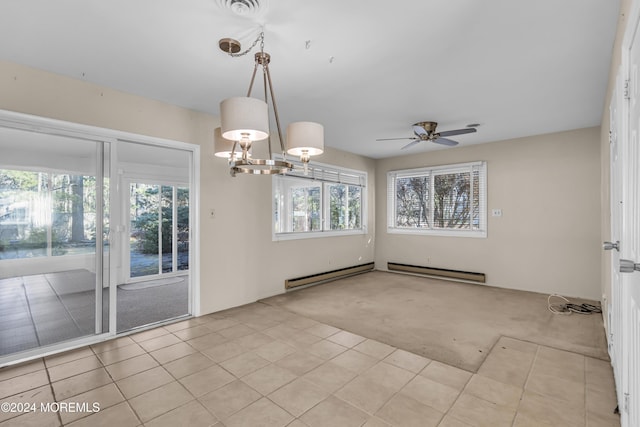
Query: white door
{"type": "Point", "coordinates": [615, 309]}
{"type": "Point", "coordinates": [630, 232]}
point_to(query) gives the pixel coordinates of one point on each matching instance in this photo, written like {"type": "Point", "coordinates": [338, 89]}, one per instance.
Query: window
{"type": "Point", "coordinates": [46, 214]}
{"type": "Point", "coordinates": [444, 200]}
{"type": "Point", "coordinates": [327, 201]}
{"type": "Point", "coordinates": [159, 228]}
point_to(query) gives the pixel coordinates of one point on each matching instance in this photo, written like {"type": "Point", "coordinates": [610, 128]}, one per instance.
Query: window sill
{"type": "Point", "coordinates": [443, 233]}
{"type": "Point", "coordinates": [316, 234]}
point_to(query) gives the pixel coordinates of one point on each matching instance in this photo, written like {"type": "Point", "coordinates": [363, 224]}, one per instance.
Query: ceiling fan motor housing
{"type": "Point", "coordinates": [425, 131]}
{"type": "Point", "coordinates": [428, 126]}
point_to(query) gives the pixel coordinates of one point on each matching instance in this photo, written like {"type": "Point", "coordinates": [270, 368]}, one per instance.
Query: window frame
{"type": "Point", "coordinates": [431, 172]}
{"type": "Point", "coordinates": [324, 175]}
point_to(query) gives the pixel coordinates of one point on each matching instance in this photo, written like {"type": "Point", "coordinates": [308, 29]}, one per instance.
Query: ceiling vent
{"type": "Point", "coordinates": [245, 8]}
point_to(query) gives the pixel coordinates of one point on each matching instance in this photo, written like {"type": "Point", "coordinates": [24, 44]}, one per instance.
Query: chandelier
{"type": "Point", "coordinates": [245, 120]}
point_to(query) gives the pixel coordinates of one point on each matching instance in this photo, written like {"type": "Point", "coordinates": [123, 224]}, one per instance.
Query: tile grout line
{"type": "Point", "coordinates": [102, 366]}
{"type": "Point", "coordinates": [248, 385]}
{"type": "Point", "coordinates": [160, 365]}
{"type": "Point", "coordinates": [195, 398]}
{"type": "Point", "coordinates": [584, 362]}
{"type": "Point", "coordinates": [463, 388]}
{"type": "Point", "coordinates": [524, 386]}
{"type": "Point", "coordinates": [53, 393]}
{"type": "Point", "coordinates": [115, 383]}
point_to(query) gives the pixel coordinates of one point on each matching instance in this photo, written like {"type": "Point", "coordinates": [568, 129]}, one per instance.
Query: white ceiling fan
{"type": "Point", "coordinates": [426, 131]}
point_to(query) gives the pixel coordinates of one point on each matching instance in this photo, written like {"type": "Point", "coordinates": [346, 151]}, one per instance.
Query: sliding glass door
{"type": "Point", "coordinates": [153, 283]}
{"type": "Point", "coordinates": [54, 222]}
{"type": "Point", "coordinates": [96, 234]}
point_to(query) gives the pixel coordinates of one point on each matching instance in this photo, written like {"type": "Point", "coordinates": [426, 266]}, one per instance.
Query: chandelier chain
{"type": "Point", "coordinates": [260, 39]}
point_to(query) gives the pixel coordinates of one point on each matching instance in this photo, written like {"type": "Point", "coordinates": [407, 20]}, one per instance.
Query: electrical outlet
{"type": "Point", "coordinates": [496, 212]}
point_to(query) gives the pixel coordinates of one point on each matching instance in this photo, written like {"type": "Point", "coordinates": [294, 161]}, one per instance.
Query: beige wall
{"type": "Point", "coordinates": [239, 262]}
{"type": "Point", "coordinates": [548, 239]}
{"type": "Point", "coordinates": [549, 242]}
{"type": "Point", "coordinates": [244, 261]}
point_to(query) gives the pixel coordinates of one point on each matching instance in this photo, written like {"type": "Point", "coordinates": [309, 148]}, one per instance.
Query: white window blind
{"type": "Point", "coordinates": [444, 200]}
{"type": "Point", "coordinates": [327, 173]}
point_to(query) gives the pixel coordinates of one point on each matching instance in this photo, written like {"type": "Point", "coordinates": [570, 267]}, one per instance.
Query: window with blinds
{"type": "Point", "coordinates": [442, 200]}
{"type": "Point", "coordinates": [327, 201]}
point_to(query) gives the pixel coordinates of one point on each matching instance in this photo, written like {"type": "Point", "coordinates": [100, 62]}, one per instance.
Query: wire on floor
{"type": "Point", "coordinates": [566, 307]}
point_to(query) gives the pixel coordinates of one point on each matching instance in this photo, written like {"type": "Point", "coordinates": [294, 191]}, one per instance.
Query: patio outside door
{"type": "Point", "coordinates": [154, 277]}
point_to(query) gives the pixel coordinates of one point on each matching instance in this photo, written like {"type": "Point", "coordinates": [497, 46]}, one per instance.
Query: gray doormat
{"type": "Point", "coordinates": [151, 283]}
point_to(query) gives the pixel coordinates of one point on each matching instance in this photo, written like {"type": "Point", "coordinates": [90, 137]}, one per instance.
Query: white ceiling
{"type": "Point", "coordinates": [516, 67]}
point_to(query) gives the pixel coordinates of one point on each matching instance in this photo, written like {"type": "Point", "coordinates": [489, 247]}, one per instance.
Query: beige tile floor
{"type": "Point", "coordinates": [262, 366]}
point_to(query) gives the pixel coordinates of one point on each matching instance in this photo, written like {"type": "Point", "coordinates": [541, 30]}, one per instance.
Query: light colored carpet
{"type": "Point", "coordinates": [454, 323]}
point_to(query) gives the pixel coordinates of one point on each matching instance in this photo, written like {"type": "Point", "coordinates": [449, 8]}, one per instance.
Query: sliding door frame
{"type": "Point", "coordinates": [49, 126]}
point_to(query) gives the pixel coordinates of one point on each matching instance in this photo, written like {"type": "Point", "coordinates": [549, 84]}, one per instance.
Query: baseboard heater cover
{"type": "Point", "coordinates": [328, 275]}
{"type": "Point", "coordinates": [437, 272]}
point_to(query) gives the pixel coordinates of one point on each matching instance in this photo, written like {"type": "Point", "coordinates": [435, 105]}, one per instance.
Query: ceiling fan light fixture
{"type": "Point", "coordinates": [426, 131]}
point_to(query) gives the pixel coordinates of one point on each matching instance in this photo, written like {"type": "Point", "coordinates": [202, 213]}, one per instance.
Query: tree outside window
{"type": "Point", "coordinates": [318, 204]}
{"type": "Point", "coordinates": [441, 199]}
{"type": "Point", "coordinates": [46, 214]}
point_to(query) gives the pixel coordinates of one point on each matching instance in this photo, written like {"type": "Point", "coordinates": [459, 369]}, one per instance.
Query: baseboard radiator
{"type": "Point", "coordinates": [437, 272]}
{"type": "Point", "coordinates": [315, 279]}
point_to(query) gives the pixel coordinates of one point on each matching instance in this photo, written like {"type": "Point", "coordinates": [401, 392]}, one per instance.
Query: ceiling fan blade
{"type": "Point", "coordinates": [419, 130]}
{"type": "Point", "coordinates": [445, 141]}
{"type": "Point", "coordinates": [393, 139]}
{"type": "Point", "coordinates": [457, 132]}
{"type": "Point", "coordinates": [411, 143]}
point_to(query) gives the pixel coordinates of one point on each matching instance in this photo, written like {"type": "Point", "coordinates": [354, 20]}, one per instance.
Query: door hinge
{"type": "Point", "coordinates": [626, 402]}
{"type": "Point", "coordinates": [627, 89]}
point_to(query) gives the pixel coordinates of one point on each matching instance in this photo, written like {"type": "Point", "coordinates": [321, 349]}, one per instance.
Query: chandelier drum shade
{"type": "Point", "coordinates": [244, 117]}
{"type": "Point", "coordinates": [305, 139]}
{"type": "Point", "coordinates": [224, 147]}
{"type": "Point", "coordinates": [245, 120]}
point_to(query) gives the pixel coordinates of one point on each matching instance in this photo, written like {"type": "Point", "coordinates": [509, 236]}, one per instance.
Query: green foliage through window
{"type": "Point", "coordinates": [44, 214]}
{"type": "Point", "coordinates": [318, 203]}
